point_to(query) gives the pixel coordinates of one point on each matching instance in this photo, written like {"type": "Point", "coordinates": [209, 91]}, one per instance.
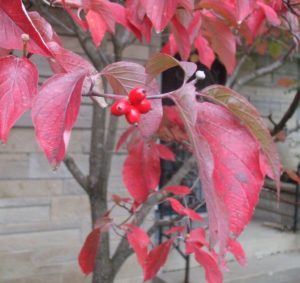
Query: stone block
{"type": "Point", "coordinates": [117, 164]}
{"type": "Point", "coordinates": [71, 42]}
{"type": "Point", "coordinates": [129, 270]}
{"type": "Point", "coordinates": [15, 264]}
{"type": "Point", "coordinates": [24, 121]}
{"type": "Point", "coordinates": [30, 187]}
{"type": "Point", "coordinates": [71, 187]}
{"type": "Point", "coordinates": [62, 273]}
{"type": "Point", "coordinates": [21, 140]}
{"type": "Point", "coordinates": [24, 202]}
{"type": "Point", "coordinates": [54, 255]}
{"type": "Point", "coordinates": [136, 51]}
{"type": "Point", "coordinates": [42, 65]}
{"type": "Point", "coordinates": [39, 167]}
{"type": "Point", "coordinates": [37, 240]}
{"type": "Point", "coordinates": [80, 141]}
{"type": "Point", "coordinates": [24, 214]}
{"type": "Point", "coordinates": [70, 208]}
{"type": "Point", "coordinates": [13, 166]}
{"type": "Point", "coordinates": [84, 119]}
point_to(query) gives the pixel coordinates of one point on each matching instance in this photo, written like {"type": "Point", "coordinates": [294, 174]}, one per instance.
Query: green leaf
{"type": "Point", "coordinates": [161, 62]}
{"type": "Point", "coordinates": [275, 49]}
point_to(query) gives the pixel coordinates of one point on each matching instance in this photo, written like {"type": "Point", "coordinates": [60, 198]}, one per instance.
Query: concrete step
{"type": "Point", "coordinates": [275, 268]}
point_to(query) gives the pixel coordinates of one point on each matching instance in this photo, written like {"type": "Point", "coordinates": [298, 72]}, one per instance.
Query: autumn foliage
{"type": "Point", "coordinates": [229, 140]}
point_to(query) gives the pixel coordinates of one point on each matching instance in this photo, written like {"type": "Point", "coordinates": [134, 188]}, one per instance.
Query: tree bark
{"type": "Point", "coordinates": [103, 272]}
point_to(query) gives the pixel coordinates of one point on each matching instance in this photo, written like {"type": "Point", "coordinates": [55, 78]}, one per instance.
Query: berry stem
{"type": "Point", "coordinates": [117, 96]}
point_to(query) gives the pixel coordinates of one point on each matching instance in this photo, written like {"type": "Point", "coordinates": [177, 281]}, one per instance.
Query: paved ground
{"type": "Point", "coordinates": [277, 268]}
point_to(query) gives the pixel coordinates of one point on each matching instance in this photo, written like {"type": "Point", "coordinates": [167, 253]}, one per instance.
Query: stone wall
{"type": "Point", "coordinates": [44, 214]}
{"type": "Point", "coordinates": [270, 98]}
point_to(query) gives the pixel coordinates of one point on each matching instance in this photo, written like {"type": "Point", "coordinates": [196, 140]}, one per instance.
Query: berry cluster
{"type": "Point", "coordinates": [132, 107]}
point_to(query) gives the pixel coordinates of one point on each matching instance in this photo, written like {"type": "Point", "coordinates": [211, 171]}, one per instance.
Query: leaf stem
{"type": "Point", "coordinates": [25, 39]}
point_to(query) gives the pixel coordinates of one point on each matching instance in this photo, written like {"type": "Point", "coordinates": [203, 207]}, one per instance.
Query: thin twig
{"type": "Point", "coordinates": [287, 115]}
{"type": "Point", "coordinates": [164, 223]}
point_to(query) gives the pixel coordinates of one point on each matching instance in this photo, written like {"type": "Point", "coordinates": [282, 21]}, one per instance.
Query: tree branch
{"type": "Point", "coordinates": [76, 172]}
{"type": "Point", "coordinates": [264, 70]}
{"type": "Point", "coordinates": [172, 221]}
{"type": "Point", "coordinates": [90, 49]}
{"type": "Point", "coordinates": [67, 30]}
{"type": "Point", "coordinates": [232, 79]}
{"type": "Point", "coordinates": [123, 250]}
{"type": "Point", "coordinates": [287, 115]}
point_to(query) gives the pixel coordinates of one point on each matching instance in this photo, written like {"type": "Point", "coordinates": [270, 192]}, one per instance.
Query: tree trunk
{"type": "Point", "coordinates": [103, 272]}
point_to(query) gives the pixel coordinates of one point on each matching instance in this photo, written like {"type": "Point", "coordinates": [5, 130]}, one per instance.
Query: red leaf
{"type": "Point", "coordinates": [150, 122]}
{"type": "Point", "coordinates": [252, 25]}
{"type": "Point", "coordinates": [173, 230]}
{"type": "Point", "coordinates": [178, 190]}
{"type": "Point", "coordinates": [4, 52]}
{"type": "Point", "coordinates": [118, 199]}
{"type": "Point", "coordinates": [240, 107]}
{"type": "Point", "coordinates": [286, 82]}
{"type": "Point", "coordinates": [225, 9]}
{"type": "Point", "coordinates": [293, 175]}
{"type": "Point", "coordinates": [15, 22]}
{"type": "Point", "coordinates": [160, 12]}
{"type": "Point", "coordinates": [197, 235]}
{"type": "Point", "coordinates": [176, 205]}
{"type": "Point", "coordinates": [124, 137]}
{"type": "Point", "coordinates": [211, 268]}
{"type": "Point", "coordinates": [237, 250]}
{"type": "Point", "coordinates": [186, 97]}
{"type": "Point", "coordinates": [180, 209]}
{"type": "Point", "coordinates": [101, 17]}
{"type": "Point", "coordinates": [141, 170]}
{"type": "Point", "coordinates": [136, 16]}
{"type": "Point", "coordinates": [205, 53]}
{"type": "Point", "coordinates": [66, 61]}
{"type": "Point", "coordinates": [69, 5]}
{"type": "Point", "coordinates": [88, 253]}
{"type": "Point", "coordinates": [54, 114]}
{"type": "Point", "coordinates": [243, 9]}
{"type": "Point", "coordinates": [139, 241]}
{"type": "Point", "coordinates": [170, 48]}
{"type": "Point", "coordinates": [97, 26]}
{"type": "Point", "coordinates": [224, 44]}
{"type": "Point", "coordinates": [18, 86]}
{"type": "Point", "coordinates": [156, 259]}
{"type": "Point", "coordinates": [231, 178]}
{"type": "Point", "coordinates": [270, 14]}
{"type": "Point", "coordinates": [44, 28]}
{"type": "Point", "coordinates": [125, 76]}
{"type": "Point", "coordinates": [192, 214]}
{"type": "Point", "coordinates": [165, 153]}
{"type": "Point", "coordinates": [182, 38]}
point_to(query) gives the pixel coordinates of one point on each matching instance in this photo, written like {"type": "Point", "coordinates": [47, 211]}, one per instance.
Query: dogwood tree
{"type": "Point", "coordinates": [230, 143]}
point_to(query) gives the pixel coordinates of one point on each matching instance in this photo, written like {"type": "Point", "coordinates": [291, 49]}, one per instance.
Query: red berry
{"type": "Point", "coordinates": [133, 116]}
{"type": "Point", "coordinates": [120, 107]}
{"type": "Point", "coordinates": [137, 95]}
{"type": "Point", "coordinates": [144, 106]}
